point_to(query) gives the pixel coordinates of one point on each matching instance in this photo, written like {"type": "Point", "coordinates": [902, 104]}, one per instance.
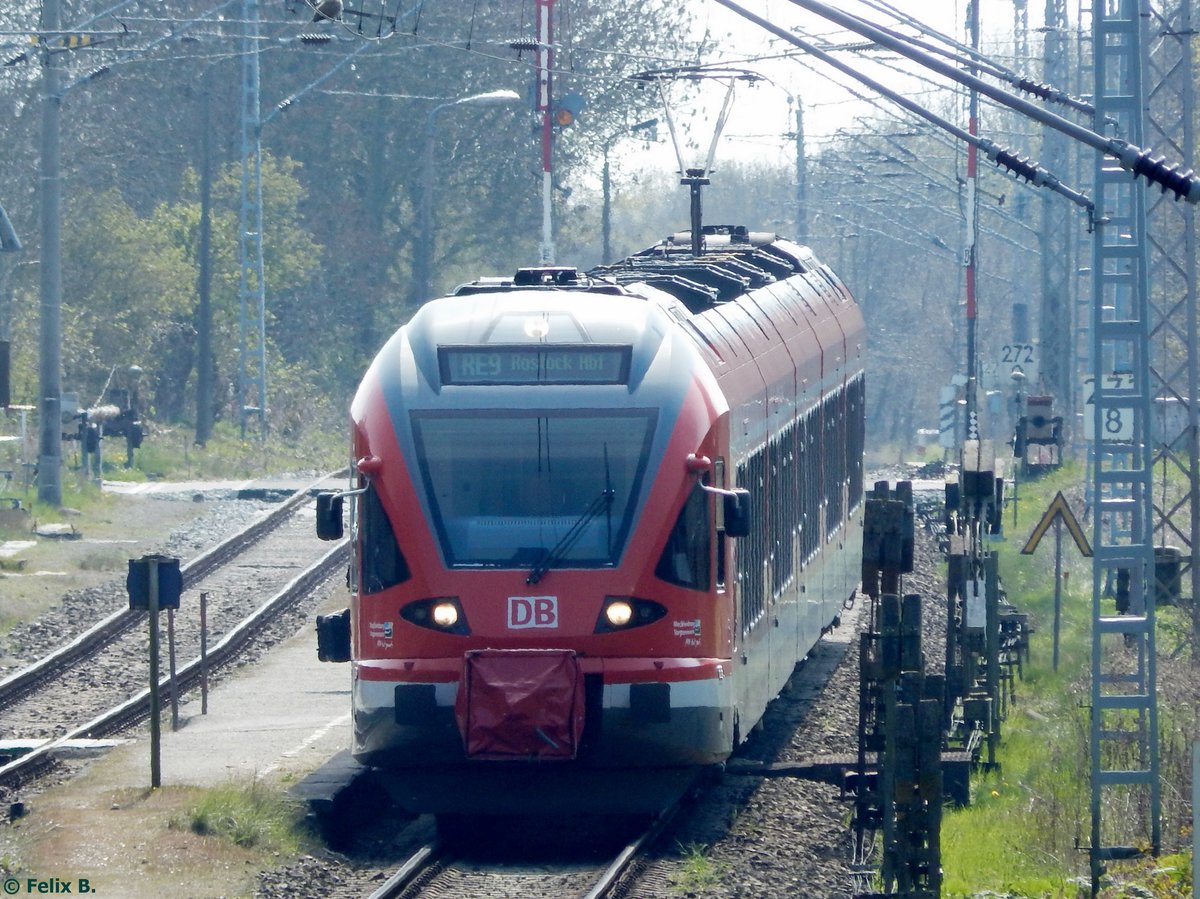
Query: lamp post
{"type": "Point", "coordinates": [647, 129]}
{"type": "Point", "coordinates": [423, 257]}
{"type": "Point", "coordinates": [49, 476]}
{"type": "Point", "coordinates": [9, 243]}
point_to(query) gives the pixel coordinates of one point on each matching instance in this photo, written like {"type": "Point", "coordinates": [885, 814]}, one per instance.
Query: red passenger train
{"type": "Point", "coordinates": [598, 519]}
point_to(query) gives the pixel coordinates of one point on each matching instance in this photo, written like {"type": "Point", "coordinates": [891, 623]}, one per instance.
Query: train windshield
{"type": "Point", "coordinates": [529, 489]}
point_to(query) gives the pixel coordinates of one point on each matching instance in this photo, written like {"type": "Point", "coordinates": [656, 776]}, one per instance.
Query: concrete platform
{"type": "Point", "coordinates": [282, 717]}
{"type": "Point", "coordinates": [274, 722]}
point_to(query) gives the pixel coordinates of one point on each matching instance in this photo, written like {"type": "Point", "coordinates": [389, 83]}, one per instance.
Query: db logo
{"type": "Point", "coordinates": [532, 611]}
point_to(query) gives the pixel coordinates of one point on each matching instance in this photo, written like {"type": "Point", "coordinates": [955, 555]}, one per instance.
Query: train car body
{"type": "Point", "coordinates": [553, 474]}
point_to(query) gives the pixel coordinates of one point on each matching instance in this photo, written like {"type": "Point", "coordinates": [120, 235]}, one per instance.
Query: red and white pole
{"type": "Point", "coordinates": [545, 62]}
{"type": "Point", "coordinates": [972, 236]}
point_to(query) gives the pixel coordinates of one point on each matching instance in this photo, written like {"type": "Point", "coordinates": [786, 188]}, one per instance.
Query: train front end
{"type": "Point", "coordinates": [539, 520]}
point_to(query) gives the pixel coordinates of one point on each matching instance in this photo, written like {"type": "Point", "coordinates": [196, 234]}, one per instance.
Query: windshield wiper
{"type": "Point", "coordinates": [602, 503]}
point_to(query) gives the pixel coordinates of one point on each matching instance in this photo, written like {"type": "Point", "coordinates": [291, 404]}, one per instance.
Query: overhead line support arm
{"type": "Point", "coordinates": [1133, 159]}
{"type": "Point", "coordinates": [1001, 156]}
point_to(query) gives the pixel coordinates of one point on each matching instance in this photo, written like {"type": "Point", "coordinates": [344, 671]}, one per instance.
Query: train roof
{"type": "Point", "coordinates": [734, 262]}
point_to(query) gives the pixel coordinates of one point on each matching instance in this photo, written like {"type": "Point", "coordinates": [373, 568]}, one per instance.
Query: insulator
{"type": "Point", "coordinates": [1022, 168]}
{"type": "Point", "coordinates": [1043, 91]}
{"type": "Point", "coordinates": [1168, 177]}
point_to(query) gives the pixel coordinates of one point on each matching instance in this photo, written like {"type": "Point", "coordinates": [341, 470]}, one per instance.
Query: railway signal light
{"type": "Point", "coordinates": [568, 109]}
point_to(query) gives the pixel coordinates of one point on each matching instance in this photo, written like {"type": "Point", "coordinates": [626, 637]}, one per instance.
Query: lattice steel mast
{"type": "Point", "coordinates": [1170, 124]}
{"type": "Point", "coordinates": [1124, 715]}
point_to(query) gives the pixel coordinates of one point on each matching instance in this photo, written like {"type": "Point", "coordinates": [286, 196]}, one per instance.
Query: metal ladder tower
{"type": "Point", "coordinates": [1124, 712]}
{"type": "Point", "coordinates": [252, 353]}
{"type": "Point", "coordinates": [1170, 127]}
{"type": "Point", "coordinates": [1020, 31]}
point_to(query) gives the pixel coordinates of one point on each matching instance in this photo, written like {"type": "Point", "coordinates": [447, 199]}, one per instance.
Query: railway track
{"type": "Point", "coordinates": [449, 872]}
{"type": "Point", "coordinates": [95, 685]}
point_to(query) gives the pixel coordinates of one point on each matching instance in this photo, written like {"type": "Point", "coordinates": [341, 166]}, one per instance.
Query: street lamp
{"type": "Point", "coordinates": [423, 258]}
{"type": "Point", "coordinates": [9, 242]}
{"type": "Point", "coordinates": [647, 129]}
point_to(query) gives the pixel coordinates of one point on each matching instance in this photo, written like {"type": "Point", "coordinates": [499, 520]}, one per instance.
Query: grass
{"type": "Point", "coordinates": [1023, 833]}
{"type": "Point", "coordinates": [250, 815]}
{"type": "Point", "coordinates": [1020, 833]}
{"type": "Point", "coordinates": [171, 453]}
{"type": "Point", "coordinates": [698, 872]}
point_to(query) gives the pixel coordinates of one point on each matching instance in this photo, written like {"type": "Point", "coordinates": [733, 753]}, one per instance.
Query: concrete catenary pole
{"type": "Point", "coordinates": [49, 466]}
{"type": "Point", "coordinates": [801, 178]}
{"type": "Point", "coordinates": [1054, 358]}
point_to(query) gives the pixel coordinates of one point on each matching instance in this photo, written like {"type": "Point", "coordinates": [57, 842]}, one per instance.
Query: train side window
{"type": "Point", "coordinates": [383, 565]}
{"type": "Point", "coordinates": [752, 551]}
{"type": "Point", "coordinates": [719, 470]}
{"type": "Point", "coordinates": [857, 439]}
{"type": "Point", "coordinates": [685, 558]}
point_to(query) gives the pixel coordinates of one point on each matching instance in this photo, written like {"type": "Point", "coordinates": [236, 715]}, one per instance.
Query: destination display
{"type": "Point", "coordinates": [535, 365]}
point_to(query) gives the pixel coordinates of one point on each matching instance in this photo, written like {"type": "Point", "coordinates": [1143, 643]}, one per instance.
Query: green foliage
{"type": "Point", "coordinates": [172, 454]}
{"type": "Point", "coordinates": [1018, 833]}
{"type": "Point", "coordinates": [129, 297]}
{"type": "Point", "coordinates": [126, 295]}
{"type": "Point", "coordinates": [698, 872]}
{"type": "Point", "coordinates": [341, 181]}
{"type": "Point", "coordinates": [1022, 832]}
{"type": "Point", "coordinates": [252, 816]}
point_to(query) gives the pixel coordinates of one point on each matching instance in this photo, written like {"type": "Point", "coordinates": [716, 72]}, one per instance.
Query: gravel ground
{"type": "Point", "coordinates": [143, 517]}
{"type": "Point", "coordinates": [175, 525]}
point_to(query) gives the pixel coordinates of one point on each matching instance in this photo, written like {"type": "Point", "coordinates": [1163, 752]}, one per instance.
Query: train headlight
{"type": "Point", "coordinates": [445, 614]}
{"type": "Point", "coordinates": [618, 612]}
{"type": "Point", "coordinates": [624, 612]}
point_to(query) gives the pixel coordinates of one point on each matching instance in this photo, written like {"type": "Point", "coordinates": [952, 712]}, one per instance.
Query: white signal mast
{"type": "Point", "coordinates": [545, 63]}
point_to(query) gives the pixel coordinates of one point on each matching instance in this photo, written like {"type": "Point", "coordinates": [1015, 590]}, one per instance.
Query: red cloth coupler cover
{"type": "Point", "coordinates": [520, 704]}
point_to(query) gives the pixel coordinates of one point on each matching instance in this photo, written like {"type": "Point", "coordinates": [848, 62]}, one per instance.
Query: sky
{"type": "Point", "coordinates": [764, 113]}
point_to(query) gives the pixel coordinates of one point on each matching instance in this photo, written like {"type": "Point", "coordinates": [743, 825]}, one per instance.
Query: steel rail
{"type": "Point", "coordinates": [431, 854]}
{"type": "Point", "coordinates": [419, 862]}
{"type": "Point", "coordinates": [137, 707]}
{"type": "Point", "coordinates": [21, 683]}
{"type": "Point", "coordinates": [628, 856]}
